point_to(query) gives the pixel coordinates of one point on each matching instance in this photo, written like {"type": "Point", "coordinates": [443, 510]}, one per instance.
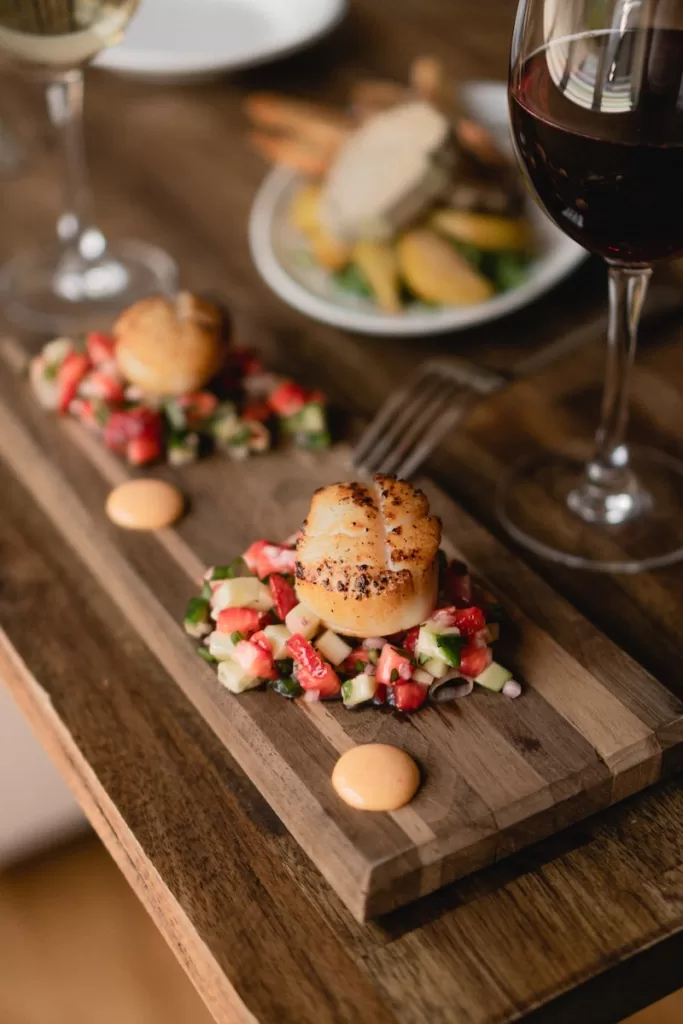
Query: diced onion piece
{"type": "Point", "coordinates": [374, 643]}
{"type": "Point", "coordinates": [421, 676]}
{"type": "Point", "coordinates": [512, 688]}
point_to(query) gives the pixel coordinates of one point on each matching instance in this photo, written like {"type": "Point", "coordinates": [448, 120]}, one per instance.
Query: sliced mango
{"type": "Point", "coordinates": [304, 211]}
{"type": "Point", "coordinates": [330, 252]}
{"type": "Point", "coordinates": [379, 265]}
{"type": "Point", "coordinates": [484, 230]}
{"type": "Point", "coordinates": [435, 272]}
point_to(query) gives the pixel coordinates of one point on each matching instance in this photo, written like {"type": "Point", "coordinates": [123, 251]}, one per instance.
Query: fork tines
{"type": "Point", "coordinates": [414, 419]}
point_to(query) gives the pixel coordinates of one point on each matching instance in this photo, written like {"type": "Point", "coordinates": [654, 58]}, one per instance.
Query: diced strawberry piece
{"type": "Point", "coordinates": [69, 376]}
{"type": "Point", "coordinates": [252, 366]}
{"type": "Point", "coordinates": [468, 620]}
{"type": "Point", "coordinates": [260, 638]}
{"type": "Point", "coordinates": [287, 398]}
{"type": "Point", "coordinates": [198, 406]}
{"type": "Point", "coordinates": [473, 660]}
{"type": "Point", "coordinates": [255, 659]}
{"type": "Point", "coordinates": [124, 425]}
{"type": "Point", "coordinates": [482, 638]}
{"type": "Point", "coordinates": [143, 449]}
{"type": "Point", "coordinates": [100, 347]}
{"type": "Point", "coordinates": [117, 431]}
{"type": "Point", "coordinates": [380, 694]}
{"type": "Point", "coordinates": [263, 558]}
{"type": "Point", "coordinates": [313, 672]}
{"type": "Point", "coordinates": [456, 584]}
{"type": "Point", "coordinates": [98, 384]}
{"type": "Point", "coordinates": [283, 595]}
{"type": "Point", "coordinates": [392, 666]}
{"type": "Point", "coordinates": [410, 639]}
{"type": "Point", "coordinates": [93, 414]}
{"type": "Point", "coordinates": [238, 620]}
{"type": "Point", "coordinates": [259, 412]}
{"type": "Point", "coordinates": [407, 696]}
{"type": "Point", "coordinates": [350, 664]}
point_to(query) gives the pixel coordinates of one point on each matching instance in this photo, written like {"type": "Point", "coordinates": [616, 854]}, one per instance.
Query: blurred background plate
{"type": "Point", "coordinates": [280, 257]}
{"type": "Point", "coordinates": [175, 39]}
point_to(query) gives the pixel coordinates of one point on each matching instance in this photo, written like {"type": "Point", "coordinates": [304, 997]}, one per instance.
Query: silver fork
{"type": "Point", "coordinates": [414, 419]}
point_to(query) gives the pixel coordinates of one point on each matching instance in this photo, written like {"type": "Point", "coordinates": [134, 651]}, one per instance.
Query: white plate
{"type": "Point", "coordinates": [174, 39]}
{"type": "Point", "coordinates": [277, 252]}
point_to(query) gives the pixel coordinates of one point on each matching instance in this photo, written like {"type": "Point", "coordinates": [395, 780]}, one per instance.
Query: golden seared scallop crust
{"type": "Point", "coordinates": [366, 560]}
{"type": "Point", "coordinates": [169, 346]}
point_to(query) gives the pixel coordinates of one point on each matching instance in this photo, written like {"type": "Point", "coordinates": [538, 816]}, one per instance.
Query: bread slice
{"type": "Point", "coordinates": [367, 557]}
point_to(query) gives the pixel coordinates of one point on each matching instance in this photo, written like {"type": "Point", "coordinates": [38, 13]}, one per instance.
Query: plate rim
{"type": "Point", "coordinates": [109, 59]}
{"type": "Point", "coordinates": [296, 295]}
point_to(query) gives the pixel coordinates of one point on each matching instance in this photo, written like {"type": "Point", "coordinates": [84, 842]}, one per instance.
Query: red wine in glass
{"type": "Point", "coordinates": [603, 148]}
{"type": "Point", "coordinates": [596, 104]}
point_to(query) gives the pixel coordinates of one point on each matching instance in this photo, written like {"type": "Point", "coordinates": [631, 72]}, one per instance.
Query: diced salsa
{"type": "Point", "coordinates": [251, 626]}
{"type": "Point", "coordinates": [246, 412]}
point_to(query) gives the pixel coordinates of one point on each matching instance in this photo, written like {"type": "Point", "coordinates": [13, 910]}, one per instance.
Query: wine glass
{"type": "Point", "coordinates": [596, 103]}
{"type": "Point", "coordinates": [81, 279]}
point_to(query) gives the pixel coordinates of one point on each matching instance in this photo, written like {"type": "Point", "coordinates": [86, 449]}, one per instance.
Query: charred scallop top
{"type": "Point", "coordinates": [365, 540]}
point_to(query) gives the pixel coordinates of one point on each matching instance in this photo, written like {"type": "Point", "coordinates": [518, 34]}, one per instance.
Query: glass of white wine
{"type": "Point", "coordinates": [81, 279]}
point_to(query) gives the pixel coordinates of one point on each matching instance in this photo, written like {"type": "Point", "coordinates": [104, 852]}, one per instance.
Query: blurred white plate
{"type": "Point", "coordinates": [175, 39]}
{"type": "Point", "coordinates": [277, 252]}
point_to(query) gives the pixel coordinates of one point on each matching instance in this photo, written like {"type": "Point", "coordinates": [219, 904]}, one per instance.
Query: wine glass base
{"type": "Point", "coordinates": [52, 290]}
{"type": "Point", "coordinates": [534, 505]}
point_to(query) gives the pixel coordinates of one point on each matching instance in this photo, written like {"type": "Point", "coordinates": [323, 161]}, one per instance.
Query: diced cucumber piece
{"type": "Point", "coordinates": [277, 637]}
{"type": "Point", "coordinates": [234, 678]}
{"type": "Point", "coordinates": [243, 592]}
{"type": "Point", "coordinates": [221, 646]}
{"type": "Point", "coordinates": [494, 677]}
{"type": "Point", "coordinates": [206, 655]}
{"type": "Point", "coordinates": [332, 647]}
{"type": "Point", "coordinates": [197, 621]}
{"type": "Point", "coordinates": [183, 450]}
{"type": "Point", "coordinates": [428, 646]}
{"type": "Point", "coordinates": [287, 687]}
{"type": "Point", "coordinates": [238, 567]}
{"type": "Point", "coordinates": [436, 667]}
{"type": "Point", "coordinates": [303, 621]}
{"type": "Point", "coordinates": [450, 646]}
{"type": "Point", "coordinates": [422, 676]}
{"type": "Point", "coordinates": [358, 690]}
{"type": "Point", "coordinates": [309, 420]}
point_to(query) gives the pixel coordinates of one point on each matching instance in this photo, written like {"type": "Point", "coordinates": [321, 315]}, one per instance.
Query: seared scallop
{"type": "Point", "coordinates": [366, 560]}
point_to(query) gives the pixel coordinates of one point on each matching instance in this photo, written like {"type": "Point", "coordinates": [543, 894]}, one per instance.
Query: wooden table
{"type": "Point", "coordinates": [258, 931]}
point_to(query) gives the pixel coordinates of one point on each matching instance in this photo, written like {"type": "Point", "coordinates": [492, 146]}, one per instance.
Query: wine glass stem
{"type": "Point", "coordinates": [65, 109]}
{"type": "Point", "coordinates": [610, 493]}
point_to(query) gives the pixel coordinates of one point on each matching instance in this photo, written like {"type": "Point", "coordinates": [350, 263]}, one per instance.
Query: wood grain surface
{"type": "Point", "coordinates": [591, 728]}
{"type": "Point", "coordinates": [227, 885]}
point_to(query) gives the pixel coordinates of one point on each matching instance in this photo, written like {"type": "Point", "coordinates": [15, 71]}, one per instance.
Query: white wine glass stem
{"type": "Point", "coordinates": [65, 110]}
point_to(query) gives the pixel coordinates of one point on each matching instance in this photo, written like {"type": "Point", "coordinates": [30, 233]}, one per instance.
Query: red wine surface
{"type": "Point", "coordinates": [598, 125]}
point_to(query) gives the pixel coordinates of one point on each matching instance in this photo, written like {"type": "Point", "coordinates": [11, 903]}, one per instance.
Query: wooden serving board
{"type": "Point", "coordinates": [591, 728]}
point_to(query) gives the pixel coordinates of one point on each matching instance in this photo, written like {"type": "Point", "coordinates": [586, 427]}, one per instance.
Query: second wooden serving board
{"type": "Point", "coordinates": [591, 727]}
